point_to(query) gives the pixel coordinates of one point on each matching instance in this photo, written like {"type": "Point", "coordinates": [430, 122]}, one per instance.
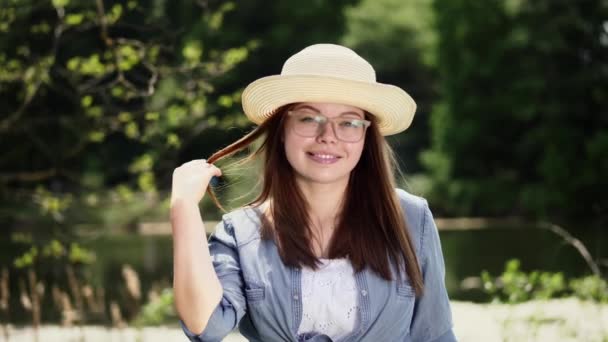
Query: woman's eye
{"type": "Point", "coordinates": [349, 124]}
{"type": "Point", "coordinates": [307, 119]}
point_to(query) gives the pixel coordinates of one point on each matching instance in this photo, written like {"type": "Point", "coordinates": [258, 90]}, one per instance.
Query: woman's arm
{"type": "Point", "coordinates": [197, 290]}
{"type": "Point", "coordinates": [432, 319]}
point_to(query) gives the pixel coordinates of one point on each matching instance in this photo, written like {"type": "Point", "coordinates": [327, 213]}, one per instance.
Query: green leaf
{"type": "Point", "coordinates": [215, 20]}
{"type": "Point", "coordinates": [176, 115]}
{"type": "Point", "coordinates": [86, 101]}
{"type": "Point", "coordinates": [124, 193]}
{"type": "Point", "coordinates": [26, 259]}
{"type": "Point", "coordinates": [115, 13]}
{"type": "Point", "coordinates": [21, 238]}
{"type": "Point", "coordinates": [53, 249]}
{"type": "Point", "coordinates": [235, 56]}
{"type": "Point", "coordinates": [152, 116]}
{"type": "Point", "coordinates": [94, 112]}
{"type": "Point", "coordinates": [173, 140]}
{"type": "Point", "coordinates": [73, 63]}
{"type": "Point", "coordinates": [74, 19]}
{"type": "Point", "coordinates": [60, 3]}
{"type": "Point", "coordinates": [125, 117]}
{"type": "Point", "coordinates": [198, 107]}
{"type": "Point", "coordinates": [132, 130]}
{"type": "Point", "coordinates": [79, 254]}
{"type": "Point", "coordinates": [117, 91]}
{"type": "Point", "coordinates": [90, 66]}
{"type": "Point", "coordinates": [146, 182]}
{"type": "Point", "coordinates": [41, 28]}
{"type": "Point", "coordinates": [192, 51]}
{"type": "Point", "coordinates": [128, 57]}
{"type": "Point", "coordinates": [142, 164]}
{"type": "Point", "coordinates": [97, 136]}
{"type": "Point", "coordinates": [225, 101]}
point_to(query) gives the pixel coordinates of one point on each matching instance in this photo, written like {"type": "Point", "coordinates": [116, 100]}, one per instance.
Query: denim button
{"type": "Point", "coordinates": [295, 297]}
{"type": "Point", "coordinates": [364, 293]}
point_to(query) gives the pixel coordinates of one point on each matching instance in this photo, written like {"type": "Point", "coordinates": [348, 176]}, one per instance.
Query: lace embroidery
{"type": "Point", "coordinates": [329, 299]}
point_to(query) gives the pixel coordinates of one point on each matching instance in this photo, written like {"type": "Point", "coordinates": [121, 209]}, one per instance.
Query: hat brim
{"type": "Point", "coordinates": [391, 105]}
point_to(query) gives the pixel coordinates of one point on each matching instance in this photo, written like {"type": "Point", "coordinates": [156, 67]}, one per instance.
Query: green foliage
{"type": "Point", "coordinates": [26, 259]}
{"type": "Point", "coordinates": [159, 310]}
{"type": "Point", "coordinates": [516, 286]}
{"type": "Point", "coordinates": [52, 252]}
{"type": "Point", "coordinates": [101, 97]}
{"type": "Point", "coordinates": [402, 51]}
{"type": "Point", "coordinates": [80, 255]}
{"type": "Point", "coordinates": [590, 288]}
{"type": "Point", "coordinates": [406, 32]}
{"type": "Point", "coordinates": [520, 128]}
{"type": "Point", "coordinates": [98, 105]}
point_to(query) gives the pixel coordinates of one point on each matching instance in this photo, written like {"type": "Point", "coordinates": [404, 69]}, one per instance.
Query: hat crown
{"type": "Point", "coordinates": [330, 60]}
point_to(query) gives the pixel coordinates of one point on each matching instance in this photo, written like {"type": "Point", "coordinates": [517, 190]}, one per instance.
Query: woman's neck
{"type": "Point", "coordinates": [324, 202]}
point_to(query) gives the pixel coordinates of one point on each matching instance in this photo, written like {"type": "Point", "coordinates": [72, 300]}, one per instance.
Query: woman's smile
{"type": "Point", "coordinates": [323, 157]}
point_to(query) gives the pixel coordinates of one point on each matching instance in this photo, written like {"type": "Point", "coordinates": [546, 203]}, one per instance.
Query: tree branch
{"type": "Point", "coordinates": [28, 176]}
{"type": "Point", "coordinates": [576, 243]}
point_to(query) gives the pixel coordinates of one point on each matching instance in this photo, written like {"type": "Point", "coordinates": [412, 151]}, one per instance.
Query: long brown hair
{"type": "Point", "coordinates": [371, 228]}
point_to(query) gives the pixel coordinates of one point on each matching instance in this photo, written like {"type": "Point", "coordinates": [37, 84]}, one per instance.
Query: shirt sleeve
{"type": "Point", "coordinates": [432, 320]}
{"type": "Point", "coordinates": [231, 308]}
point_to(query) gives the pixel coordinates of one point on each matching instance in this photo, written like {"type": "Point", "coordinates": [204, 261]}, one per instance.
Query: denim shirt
{"type": "Point", "coordinates": [263, 296]}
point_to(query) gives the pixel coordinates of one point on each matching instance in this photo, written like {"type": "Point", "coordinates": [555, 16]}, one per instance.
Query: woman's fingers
{"type": "Point", "coordinates": [191, 179]}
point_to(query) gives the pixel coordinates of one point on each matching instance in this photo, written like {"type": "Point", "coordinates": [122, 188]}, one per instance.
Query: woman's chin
{"type": "Point", "coordinates": [324, 178]}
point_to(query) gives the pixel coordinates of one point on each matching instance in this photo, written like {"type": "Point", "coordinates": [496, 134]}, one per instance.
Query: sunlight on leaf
{"type": "Point", "coordinates": [193, 51]}
{"type": "Point", "coordinates": [74, 19]}
{"type": "Point", "coordinates": [97, 136]}
{"type": "Point", "coordinates": [60, 3]}
{"type": "Point", "coordinates": [141, 164]}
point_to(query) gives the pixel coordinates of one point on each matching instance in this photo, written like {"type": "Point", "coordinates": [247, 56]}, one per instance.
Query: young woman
{"type": "Point", "coordinates": [329, 250]}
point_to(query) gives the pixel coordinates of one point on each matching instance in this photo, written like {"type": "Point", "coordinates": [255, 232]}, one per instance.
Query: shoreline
{"type": "Point", "coordinates": [567, 319]}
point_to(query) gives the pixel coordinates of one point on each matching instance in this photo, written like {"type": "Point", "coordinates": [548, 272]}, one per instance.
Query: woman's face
{"type": "Point", "coordinates": [323, 156]}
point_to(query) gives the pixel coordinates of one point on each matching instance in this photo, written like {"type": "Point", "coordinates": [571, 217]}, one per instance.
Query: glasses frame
{"type": "Point", "coordinates": [323, 125]}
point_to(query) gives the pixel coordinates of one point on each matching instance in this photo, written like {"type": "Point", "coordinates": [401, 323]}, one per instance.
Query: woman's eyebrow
{"type": "Point", "coordinates": [318, 111]}
{"type": "Point", "coordinates": [359, 115]}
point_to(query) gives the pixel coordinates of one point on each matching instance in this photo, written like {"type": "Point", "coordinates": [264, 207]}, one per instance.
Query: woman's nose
{"type": "Point", "coordinates": [327, 133]}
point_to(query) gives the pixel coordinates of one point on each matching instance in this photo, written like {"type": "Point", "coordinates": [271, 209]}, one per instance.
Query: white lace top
{"type": "Point", "coordinates": [329, 299]}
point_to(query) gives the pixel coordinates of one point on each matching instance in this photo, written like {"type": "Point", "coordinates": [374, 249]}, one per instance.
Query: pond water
{"type": "Point", "coordinates": [466, 252]}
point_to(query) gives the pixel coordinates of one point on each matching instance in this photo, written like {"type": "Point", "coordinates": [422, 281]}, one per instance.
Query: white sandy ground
{"type": "Point", "coordinates": [555, 320]}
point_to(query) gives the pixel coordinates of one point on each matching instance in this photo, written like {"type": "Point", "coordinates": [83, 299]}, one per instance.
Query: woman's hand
{"type": "Point", "coordinates": [191, 179]}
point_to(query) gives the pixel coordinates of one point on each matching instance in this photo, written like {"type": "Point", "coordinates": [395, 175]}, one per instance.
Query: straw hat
{"type": "Point", "coordinates": [335, 74]}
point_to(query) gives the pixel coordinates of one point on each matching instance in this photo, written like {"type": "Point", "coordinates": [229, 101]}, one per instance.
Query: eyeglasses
{"type": "Point", "coordinates": [308, 123]}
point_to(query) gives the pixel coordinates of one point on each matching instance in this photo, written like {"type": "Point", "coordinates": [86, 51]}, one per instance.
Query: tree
{"type": "Point", "coordinates": [522, 125]}
{"type": "Point", "coordinates": [398, 38]}
{"type": "Point", "coordinates": [99, 98]}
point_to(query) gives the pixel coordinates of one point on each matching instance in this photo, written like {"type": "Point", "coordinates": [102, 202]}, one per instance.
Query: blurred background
{"type": "Point", "coordinates": [100, 100]}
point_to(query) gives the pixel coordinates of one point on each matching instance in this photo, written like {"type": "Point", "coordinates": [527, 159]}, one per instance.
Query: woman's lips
{"type": "Point", "coordinates": [323, 158]}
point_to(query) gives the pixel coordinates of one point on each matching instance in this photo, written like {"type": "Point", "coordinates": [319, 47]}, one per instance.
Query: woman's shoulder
{"type": "Point", "coordinates": [414, 208]}
{"type": "Point", "coordinates": [413, 205]}
{"type": "Point", "coordinates": [407, 198]}
{"type": "Point", "coordinates": [242, 224]}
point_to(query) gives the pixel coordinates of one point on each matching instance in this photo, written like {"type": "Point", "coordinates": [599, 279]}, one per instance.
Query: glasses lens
{"type": "Point", "coordinates": [307, 123]}
{"type": "Point", "coordinates": [350, 130]}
